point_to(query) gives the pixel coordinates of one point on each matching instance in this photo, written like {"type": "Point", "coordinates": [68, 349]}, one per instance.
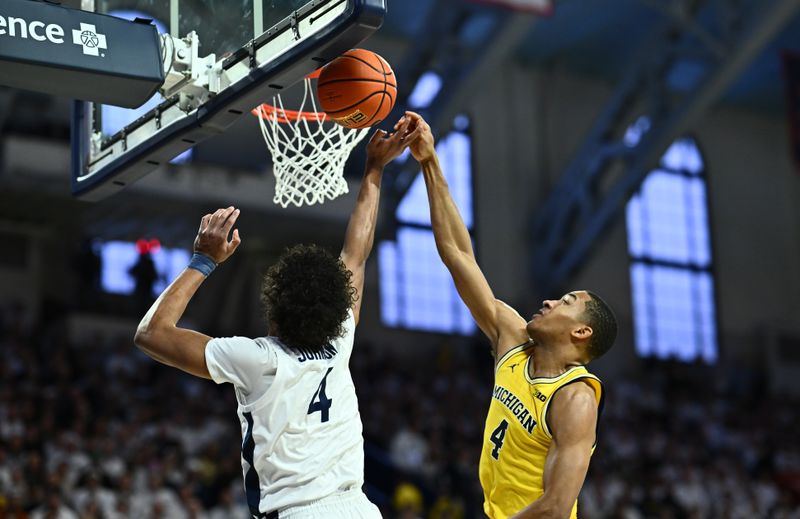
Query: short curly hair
{"type": "Point", "coordinates": [307, 295]}
{"type": "Point", "coordinates": [601, 318]}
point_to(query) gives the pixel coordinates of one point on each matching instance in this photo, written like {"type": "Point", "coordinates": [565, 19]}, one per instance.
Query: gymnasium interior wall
{"type": "Point", "coordinates": [520, 146]}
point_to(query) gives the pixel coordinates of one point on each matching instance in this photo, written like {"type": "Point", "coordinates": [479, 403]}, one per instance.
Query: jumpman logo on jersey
{"type": "Point", "coordinates": [512, 366]}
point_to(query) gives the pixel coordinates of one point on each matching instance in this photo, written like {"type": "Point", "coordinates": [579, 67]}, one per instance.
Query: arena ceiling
{"type": "Point", "coordinates": [601, 38]}
{"type": "Point", "coordinates": [585, 37]}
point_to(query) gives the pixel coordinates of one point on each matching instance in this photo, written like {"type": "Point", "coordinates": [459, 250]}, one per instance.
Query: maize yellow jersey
{"type": "Point", "coordinates": [516, 437]}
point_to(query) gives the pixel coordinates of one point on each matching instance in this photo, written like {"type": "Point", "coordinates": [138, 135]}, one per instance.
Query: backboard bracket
{"type": "Point", "coordinates": [272, 61]}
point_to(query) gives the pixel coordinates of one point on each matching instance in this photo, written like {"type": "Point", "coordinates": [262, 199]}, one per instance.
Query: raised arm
{"type": "Point", "coordinates": [501, 323]}
{"type": "Point", "coordinates": [158, 334]}
{"type": "Point", "coordinates": [382, 149]}
{"type": "Point", "coordinates": [573, 423]}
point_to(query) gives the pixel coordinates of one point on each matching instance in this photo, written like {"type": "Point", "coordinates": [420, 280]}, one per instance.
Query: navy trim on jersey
{"type": "Point", "coordinates": [252, 486]}
{"type": "Point", "coordinates": [513, 350]}
{"type": "Point", "coordinates": [600, 408]}
{"type": "Point", "coordinates": [600, 404]}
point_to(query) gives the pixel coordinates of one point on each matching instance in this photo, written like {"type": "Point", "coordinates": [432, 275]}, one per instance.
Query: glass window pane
{"type": "Point", "coordinates": [643, 327]}
{"type": "Point", "coordinates": [417, 291]}
{"type": "Point", "coordinates": [675, 326]}
{"type": "Point", "coordinates": [673, 313]}
{"type": "Point", "coordinates": [422, 294]}
{"type": "Point", "coordinates": [634, 219]}
{"type": "Point", "coordinates": [425, 91]}
{"type": "Point", "coordinates": [455, 158]}
{"type": "Point", "coordinates": [667, 222]}
{"type": "Point", "coordinates": [683, 155]}
{"type": "Point", "coordinates": [388, 280]}
{"type": "Point", "coordinates": [707, 316]}
{"type": "Point", "coordinates": [701, 245]}
{"type": "Point", "coordinates": [665, 201]}
{"type": "Point", "coordinates": [414, 206]}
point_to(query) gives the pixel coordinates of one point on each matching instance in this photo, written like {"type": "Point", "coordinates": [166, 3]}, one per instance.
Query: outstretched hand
{"type": "Point", "coordinates": [419, 136]}
{"type": "Point", "coordinates": [385, 147]}
{"type": "Point", "coordinates": [212, 238]}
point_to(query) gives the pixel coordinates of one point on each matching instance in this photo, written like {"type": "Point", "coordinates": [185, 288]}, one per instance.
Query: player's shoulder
{"type": "Point", "coordinates": [265, 343]}
{"type": "Point", "coordinates": [574, 408]}
{"type": "Point", "coordinates": [578, 390]}
{"type": "Point", "coordinates": [578, 382]}
{"type": "Point", "coordinates": [242, 347]}
{"type": "Point", "coordinates": [250, 343]}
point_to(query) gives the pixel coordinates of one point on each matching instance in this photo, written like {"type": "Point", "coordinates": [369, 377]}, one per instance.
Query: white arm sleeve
{"type": "Point", "coordinates": [239, 360]}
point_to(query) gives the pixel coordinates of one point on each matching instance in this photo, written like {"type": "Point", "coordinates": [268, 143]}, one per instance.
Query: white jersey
{"type": "Point", "coordinates": [301, 429]}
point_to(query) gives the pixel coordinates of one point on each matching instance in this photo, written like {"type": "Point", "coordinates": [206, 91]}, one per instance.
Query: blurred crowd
{"type": "Point", "coordinates": [712, 445]}
{"type": "Point", "coordinates": [97, 430]}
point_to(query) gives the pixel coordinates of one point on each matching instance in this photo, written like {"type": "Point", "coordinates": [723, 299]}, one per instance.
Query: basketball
{"type": "Point", "coordinates": [358, 89]}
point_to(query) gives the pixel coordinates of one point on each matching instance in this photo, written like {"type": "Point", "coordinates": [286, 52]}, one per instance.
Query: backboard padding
{"type": "Point", "coordinates": [269, 63]}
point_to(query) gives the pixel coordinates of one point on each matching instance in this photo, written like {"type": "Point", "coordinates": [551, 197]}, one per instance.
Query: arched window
{"type": "Point", "coordinates": [670, 251]}
{"type": "Point", "coordinates": [417, 291]}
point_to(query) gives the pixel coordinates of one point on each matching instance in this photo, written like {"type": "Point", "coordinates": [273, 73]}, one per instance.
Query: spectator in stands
{"type": "Point", "coordinates": [82, 437]}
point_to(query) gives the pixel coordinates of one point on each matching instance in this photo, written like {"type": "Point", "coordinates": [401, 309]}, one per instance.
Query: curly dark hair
{"type": "Point", "coordinates": [604, 325]}
{"type": "Point", "coordinates": [307, 294]}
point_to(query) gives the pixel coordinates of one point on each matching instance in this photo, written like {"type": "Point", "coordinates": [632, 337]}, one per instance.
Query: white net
{"type": "Point", "coordinates": [308, 151]}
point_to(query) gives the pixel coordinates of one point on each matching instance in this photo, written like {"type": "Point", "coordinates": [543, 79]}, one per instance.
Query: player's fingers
{"type": "Point", "coordinates": [229, 223]}
{"type": "Point", "coordinates": [223, 217]}
{"type": "Point", "coordinates": [406, 127]}
{"type": "Point", "coordinates": [397, 135]}
{"type": "Point", "coordinates": [413, 135]}
{"type": "Point", "coordinates": [235, 240]}
{"type": "Point", "coordinates": [399, 122]}
{"type": "Point", "coordinates": [204, 222]}
{"type": "Point", "coordinates": [214, 217]}
{"type": "Point", "coordinates": [379, 134]}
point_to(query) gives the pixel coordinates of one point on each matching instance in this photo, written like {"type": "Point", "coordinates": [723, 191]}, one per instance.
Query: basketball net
{"type": "Point", "coordinates": [308, 150]}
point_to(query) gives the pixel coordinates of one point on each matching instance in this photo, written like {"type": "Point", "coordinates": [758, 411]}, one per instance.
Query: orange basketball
{"type": "Point", "coordinates": [357, 89]}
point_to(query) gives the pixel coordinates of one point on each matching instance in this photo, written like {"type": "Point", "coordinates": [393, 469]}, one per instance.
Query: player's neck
{"type": "Point", "coordinates": [549, 361]}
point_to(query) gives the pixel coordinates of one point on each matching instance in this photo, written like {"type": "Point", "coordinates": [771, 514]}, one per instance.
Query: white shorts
{"type": "Point", "coordinates": [350, 504]}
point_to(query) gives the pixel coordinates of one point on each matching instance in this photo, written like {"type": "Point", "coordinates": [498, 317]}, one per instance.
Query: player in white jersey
{"type": "Point", "coordinates": [302, 449]}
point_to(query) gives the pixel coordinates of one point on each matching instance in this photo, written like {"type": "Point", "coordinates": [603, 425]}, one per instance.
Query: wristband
{"type": "Point", "coordinates": [202, 263]}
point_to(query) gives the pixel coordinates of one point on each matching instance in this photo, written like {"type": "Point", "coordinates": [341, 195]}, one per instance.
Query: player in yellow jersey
{"type": "Point", "coordinates": [541, 428]}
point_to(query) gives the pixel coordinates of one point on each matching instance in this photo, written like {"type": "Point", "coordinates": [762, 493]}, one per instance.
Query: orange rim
{"type": "Point", "coordinates": [273, 113]}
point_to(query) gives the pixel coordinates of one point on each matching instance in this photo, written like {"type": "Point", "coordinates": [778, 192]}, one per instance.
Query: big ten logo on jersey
{"type": "Point", "coordinates": [538, 395]}
{"type": "Point", "coordinates": [327, 352]}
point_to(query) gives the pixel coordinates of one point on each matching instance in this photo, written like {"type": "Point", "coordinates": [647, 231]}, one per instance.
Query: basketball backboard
{"type": "Point", "coordinates": [251, 49]}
